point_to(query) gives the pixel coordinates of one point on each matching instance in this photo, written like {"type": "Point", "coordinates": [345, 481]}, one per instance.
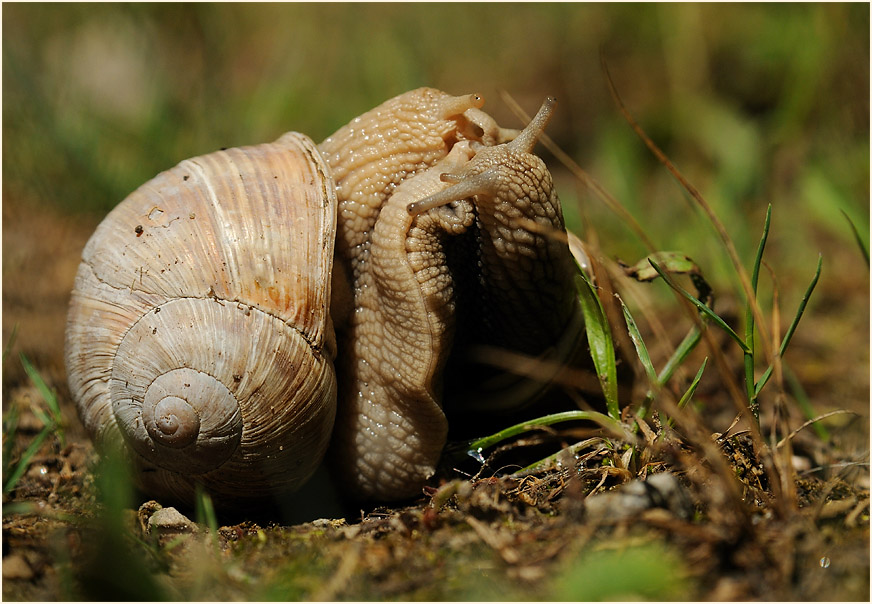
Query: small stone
{"type": "Point", "coordinates": [16, 567]}
{"type": "Point", "coordinates": [665, 491]}
{"type": "Point", "coordinates": [328, 523]}
{"type": "Point", "coordinates": [321, 523]}
{"type": "Point", "coordinates": [614, 505]}
{"type": "Point", "coordinates": [658, 491]}
{"type": "Point", "coordinates": [169, 520]}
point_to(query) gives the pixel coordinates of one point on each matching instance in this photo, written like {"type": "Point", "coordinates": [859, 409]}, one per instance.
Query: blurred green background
{"type": "Point", "coordinates": [754, 103]}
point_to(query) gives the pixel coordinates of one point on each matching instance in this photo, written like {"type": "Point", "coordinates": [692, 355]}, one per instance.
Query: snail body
{"type": "Point", "coordinates": [230, 309]}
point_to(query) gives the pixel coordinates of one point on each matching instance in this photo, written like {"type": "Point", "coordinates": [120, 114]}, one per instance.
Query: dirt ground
{"type": "Point", "coordinates": [577, 531]}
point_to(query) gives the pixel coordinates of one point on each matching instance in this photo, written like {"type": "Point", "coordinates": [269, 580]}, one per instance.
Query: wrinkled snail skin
{"type": "Point", "coordinates": [376, 151]}
{"type": "Point", "coordinates": [212, 305]}
{"type": "Point", "coordinates": [390, 428]}
{"type": "Point", "coordinates": [522, 296]}
{"type": "Point", "coordinates": [396, 335]}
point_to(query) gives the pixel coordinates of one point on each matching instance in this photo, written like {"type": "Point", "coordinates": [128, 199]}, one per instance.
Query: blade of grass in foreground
{"type": "Point", "coordinates": [639, 344]}
{"type": "Point", "coordinates": [54, 420]}
{"type": "Point", "coordinates": [24, 462]}
{"type": "Point", "coordinates": [51, 423]}
{"type": "Point", "coordinates": [708, 312]}
{"type": "Point", "coordinates": [685, 398]}
{"type": "Point", "coordinates": [477, 446]}
{"type": "Point", "coordinates": [790, 330]}
{"type": "Point", "coordinates": [864, 249]}
{"type": "Point", "coordinates": [693, 384]}
{"type": "Point", "coordinates": [10, 429]}
{"type": "Point", "coordinates": [599, 339]}
{"type": "Point", "coordinates": [684, 349]}
{"type": "Point", "coordinates": [205, 510]}
{"type": "Point", "coordinates": [644, 357]}
{"type": "Point", "coordinates": [749, 318]}
{"type": "Point", "coordinates": [11, 342]}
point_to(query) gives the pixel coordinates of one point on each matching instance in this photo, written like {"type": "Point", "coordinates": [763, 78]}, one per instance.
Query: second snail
{"type": "Point", "coordinates": [247, 312]}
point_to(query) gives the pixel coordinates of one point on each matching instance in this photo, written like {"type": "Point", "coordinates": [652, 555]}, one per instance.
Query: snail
{"type": "Point", "coordinates": [245, 311]}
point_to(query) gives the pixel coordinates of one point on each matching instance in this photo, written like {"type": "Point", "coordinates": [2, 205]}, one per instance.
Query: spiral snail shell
{"type": "Point", "coordinates": [232, 309]}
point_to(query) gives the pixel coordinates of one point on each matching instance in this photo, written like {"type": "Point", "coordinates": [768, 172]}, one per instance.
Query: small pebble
{"type": "Point", "coordinates": [169, 520]}
{"type": "Point", "coordinates": [325, 523]}
{"type": "Point", "coordinates": [658, 491]}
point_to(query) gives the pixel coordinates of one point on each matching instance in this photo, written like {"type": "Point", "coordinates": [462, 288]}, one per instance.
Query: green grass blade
{"type": "Point", "coordinates": [42, 416]}
{"type": "Point", "coordinates": [644, 357]}
{"type": "Point", "coordinates": [708, 312]}
{"type": "Point", "coordinates": [54, 421]}
{"type": "Point", "coordinates": [10, 429]}
{"type": "Point", "coordinates": [599, 339]}
{"type": "Point", "coordinates": [864, 248]}
{"type": "Point", "coordinates": [46, 393]}
{"type": "Point", "coordinates": [11, 342]}
{"type": "Point", "coordinates": [477, 446]}
{"type": "Point", "coordinates": [205, 510]}
{"type": "Point", "coordinates": [687, 345]}
{"type": "Point", "coordinates": [693, 337]}
{"type": "Point", "coordinates": [639, 344]}
{"type": "Point", "coordinates": [790, 330]}
{"type": "Point", "coordinates": [749, 316]}
{"type": "Point", "coordinates": [758, 259]}
{"type": "Point", "coordinates": [693, 384]}
{"type": "Point", "coordinates": [546, 462]}
{"type": "Point", "coordinates": [688, 394]}
{"type": "Point", "coordinates": [24, 462]}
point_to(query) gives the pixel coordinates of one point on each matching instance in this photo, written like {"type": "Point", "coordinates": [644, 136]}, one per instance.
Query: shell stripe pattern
{"type": "Point", "coordinates": [239, 241]}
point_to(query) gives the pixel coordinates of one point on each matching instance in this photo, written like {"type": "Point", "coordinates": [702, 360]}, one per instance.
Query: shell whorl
{"type": "Point", "coordinates": [178, 417]}
{"type": "Point", "coordinates": [198, 328]}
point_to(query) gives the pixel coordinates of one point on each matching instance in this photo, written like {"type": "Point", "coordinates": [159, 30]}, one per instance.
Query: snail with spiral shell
{"type": "Point", "coordinates": [245, 310]}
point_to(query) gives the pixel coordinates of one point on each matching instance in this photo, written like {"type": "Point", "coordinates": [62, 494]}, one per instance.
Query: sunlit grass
{"type": "Point", "coordinates": [49, 416]}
